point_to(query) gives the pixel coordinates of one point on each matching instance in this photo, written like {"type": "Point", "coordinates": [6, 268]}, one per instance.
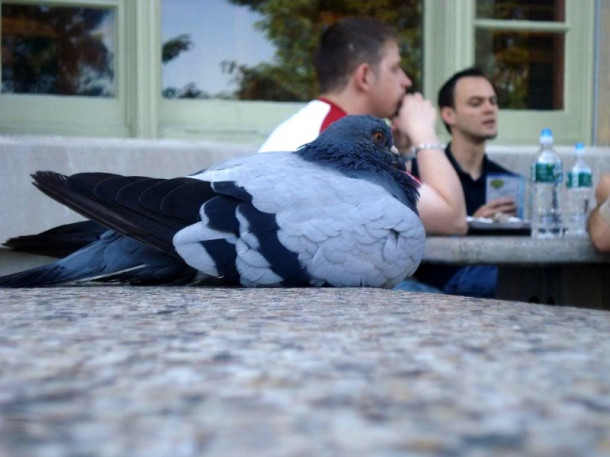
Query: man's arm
{"type": "Point", "coordinates": [599, 220]}
{"type": "Point", "coordinates": [442, 207]}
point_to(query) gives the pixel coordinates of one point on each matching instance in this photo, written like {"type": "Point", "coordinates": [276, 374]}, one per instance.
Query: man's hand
{"type": "Point", "coordinates": [503, 205]}
{"type": "Point", "coordinates": [415, 119]}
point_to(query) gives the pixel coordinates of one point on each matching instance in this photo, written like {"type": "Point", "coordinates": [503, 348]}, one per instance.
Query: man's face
{"type": "Point", "coordinates": [389, 83]}
{"type": "Point", "coordinates": [476, 109]}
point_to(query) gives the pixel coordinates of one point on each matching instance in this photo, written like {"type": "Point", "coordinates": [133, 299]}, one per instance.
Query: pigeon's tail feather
{"type": "Point", "coordinates": [111, 258]}
{"type": "Point", "coordinates": [45, 275]}
{"type": "Point", "coordinates": [59, 241]}
{"type": "Point", "coordinates": [55, 274]}
{"type": "Point", "coordinates": [84, 263]}
{"type": "Point", "coordinates": [140, 208]}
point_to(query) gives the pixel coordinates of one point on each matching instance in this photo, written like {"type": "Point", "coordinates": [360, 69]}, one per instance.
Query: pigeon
{"type": "Point", "coordinates": [340, 211]}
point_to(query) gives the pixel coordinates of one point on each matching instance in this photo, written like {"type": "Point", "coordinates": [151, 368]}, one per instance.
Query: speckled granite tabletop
{"type": "Point", "coordinates": [121, 371]}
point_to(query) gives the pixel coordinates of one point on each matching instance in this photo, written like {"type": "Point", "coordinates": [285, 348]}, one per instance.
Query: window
{"type": "Point", "coordinates": [236, 51]}
{"type": "Point", "coordinates": [261, 71]}
{"type": "Point", "coordinates": [540, 55]}
{"type": "Point", "coordinates": [62, 71]}
{"type": "Point", "coordinates": [58, 50]}
{"type": "Point", "coordinates": [205, 44]}
{"type": "Point", "coordinates": [526, 66]}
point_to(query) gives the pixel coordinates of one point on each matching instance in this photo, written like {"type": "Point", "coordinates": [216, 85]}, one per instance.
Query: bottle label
{"type": "Point", "coordinates": [546, 172]}
{"type": "Point", "coordinates": [581, 179]}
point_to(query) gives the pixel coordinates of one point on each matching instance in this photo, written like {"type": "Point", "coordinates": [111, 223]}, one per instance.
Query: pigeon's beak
{"type": "Point", "coordinates": [397, 161]}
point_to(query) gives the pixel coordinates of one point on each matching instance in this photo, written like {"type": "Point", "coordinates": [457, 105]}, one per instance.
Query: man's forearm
{"type": "Point", "coordinates": [442, 207]}
{"type": "Point", "coordinates": [447, 213]}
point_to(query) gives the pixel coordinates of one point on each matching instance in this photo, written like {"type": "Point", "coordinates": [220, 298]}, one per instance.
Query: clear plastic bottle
{"type": "Point", "coordinates": [579, 189]}
{"type": "Point", "coordinates": [547, 174]}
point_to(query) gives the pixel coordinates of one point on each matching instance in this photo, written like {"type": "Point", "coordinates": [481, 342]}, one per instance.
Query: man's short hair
{"type": "Point", "coordinates": [347, 43]}
{"type": "Point", "coordinates": [446, 94]}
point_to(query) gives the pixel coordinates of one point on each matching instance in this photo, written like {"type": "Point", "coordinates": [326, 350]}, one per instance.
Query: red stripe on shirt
{"type": "Point", "coordinates": [334, 114]}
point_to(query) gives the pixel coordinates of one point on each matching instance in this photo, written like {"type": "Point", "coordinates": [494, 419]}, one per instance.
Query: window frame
{"type": "Point", "coordinates": [453, 42]}
{"type": "Point", "coordinates": [80, 115]}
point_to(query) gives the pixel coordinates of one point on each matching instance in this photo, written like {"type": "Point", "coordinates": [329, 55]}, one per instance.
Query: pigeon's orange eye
{"type": "Point", "coordinates": [378, 138]}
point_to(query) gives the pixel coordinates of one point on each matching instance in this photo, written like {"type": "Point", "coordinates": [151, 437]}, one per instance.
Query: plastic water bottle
{"type": "Point", "coordinates": [579, 189]}
{"type": "Point", "coordinates": [547, 174]}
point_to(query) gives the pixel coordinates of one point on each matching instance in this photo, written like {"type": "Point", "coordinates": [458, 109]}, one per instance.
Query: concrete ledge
{"type": "Point", "coordinates": [157, 372]}
{"type": "Point", "coordinates": [511, 250]}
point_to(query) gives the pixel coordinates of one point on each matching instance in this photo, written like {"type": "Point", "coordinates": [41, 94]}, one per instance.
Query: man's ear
{"type": "Point", "coordinates": [448, 115]}
{"type": "Point", "coordinates": [361, 77]}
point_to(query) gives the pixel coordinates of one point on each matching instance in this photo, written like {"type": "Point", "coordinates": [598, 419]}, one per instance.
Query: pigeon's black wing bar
{"type": "Point", "coordinates": [149, 210]}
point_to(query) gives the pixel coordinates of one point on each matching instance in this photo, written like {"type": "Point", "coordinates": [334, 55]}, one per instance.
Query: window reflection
{"type": "Point", "coordinates": [203, 44]}
{"type": "Point", "coordinates": [527, 68]}
{"type": "Point", "coordinates": [252, 50]}
{"type": "Point", "coordinates": [524, 10]}
{"type": "Point", "coordinates": [57, 50]}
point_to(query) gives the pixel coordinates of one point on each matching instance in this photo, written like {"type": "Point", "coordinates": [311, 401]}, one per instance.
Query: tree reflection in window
{"type": "Point", "coordinates": [526, 66]}
{"type": "Point", "coordinates": [57, 50]}
{"type": "Point", "coordinates": [293, 28]}
{"type": "Point", "coordinates": [522, 10]}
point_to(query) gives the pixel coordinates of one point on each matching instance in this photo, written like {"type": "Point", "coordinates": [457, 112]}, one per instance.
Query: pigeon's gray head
{"type": "Point", "coordinates": [355, 138]}
{"type": "Point", "coordinates": [361, 147]}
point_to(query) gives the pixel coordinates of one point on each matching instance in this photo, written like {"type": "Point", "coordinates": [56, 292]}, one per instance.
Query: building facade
{"type": "Point", "coordinates": [545, 55]}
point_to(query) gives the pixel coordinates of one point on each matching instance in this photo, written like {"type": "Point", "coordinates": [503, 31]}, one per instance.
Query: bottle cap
{"type": "Point", "coordinates": [579, 149]}
{"type": "Point", "coordinates": [546, 136]}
